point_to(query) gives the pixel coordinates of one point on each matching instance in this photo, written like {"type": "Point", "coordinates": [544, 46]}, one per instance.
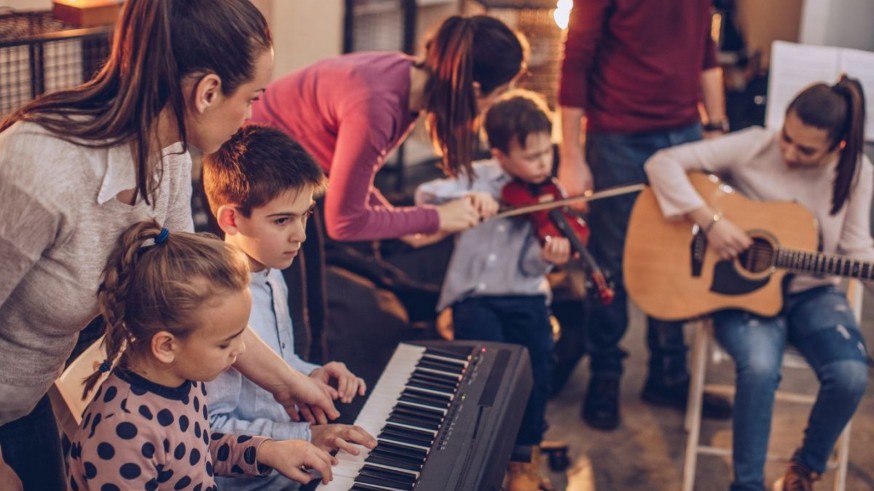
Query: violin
{"type": "Point", "coordinates": [556, 222]}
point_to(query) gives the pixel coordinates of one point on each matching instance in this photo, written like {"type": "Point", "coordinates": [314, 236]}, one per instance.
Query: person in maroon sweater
{"type": "Point", "coordinates": [636, 70]}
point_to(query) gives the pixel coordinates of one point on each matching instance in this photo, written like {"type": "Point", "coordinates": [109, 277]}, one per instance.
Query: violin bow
{"type": "Point", "coordinates": [587, 196]}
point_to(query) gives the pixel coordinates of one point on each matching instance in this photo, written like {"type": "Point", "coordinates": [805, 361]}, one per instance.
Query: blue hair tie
{"type": "Point", "coordinates": [106, 365]}
{"type": "Point", "coordinates": [162, 236]}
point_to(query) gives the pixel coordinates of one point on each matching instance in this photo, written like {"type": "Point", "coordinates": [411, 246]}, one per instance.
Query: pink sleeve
{"type": "Point", "coordinates": [236, 455]}
{"type": "Point", "coordinates": [354, 209]}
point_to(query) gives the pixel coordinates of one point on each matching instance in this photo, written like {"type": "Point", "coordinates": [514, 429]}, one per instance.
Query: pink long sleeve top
{"type": "Point", "coordinates": [350, 112]}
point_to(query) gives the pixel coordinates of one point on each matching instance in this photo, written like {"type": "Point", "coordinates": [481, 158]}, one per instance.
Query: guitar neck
{"type": "Point", "coordinates": [823, 264]}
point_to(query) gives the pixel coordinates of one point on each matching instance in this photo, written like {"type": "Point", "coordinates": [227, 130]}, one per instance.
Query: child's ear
{"type": "Point", "coordinates": [226, 216]}
{"type": "Point", "coordinates": [164, 346]}
{"type": "Point", "coordinates": [497, 154]}
{"type": "Point", "coordinates": [207, 90]}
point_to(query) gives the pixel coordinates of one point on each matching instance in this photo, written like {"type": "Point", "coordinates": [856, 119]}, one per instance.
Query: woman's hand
{"type": "Point", "coordinates": [342, 437]}
{"type": "Point", "coordinates": [484, 204]}
{"type": "Point", "coordinates": [457, 215]}
{"type": "Point", "coordinates": [557, 250]}
{"type": "Point", "coordinates": [337, 375]}
{"type": "Point", "coordinates": [291, 457]}
{"type": "Point", "coordinates": [727, 239]}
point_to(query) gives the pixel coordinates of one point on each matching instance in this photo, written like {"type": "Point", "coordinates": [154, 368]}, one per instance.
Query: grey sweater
{"type": "Point", "coordinates": [60, 220]}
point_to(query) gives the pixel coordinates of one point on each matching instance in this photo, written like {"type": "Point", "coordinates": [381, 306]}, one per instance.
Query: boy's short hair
{"type": "Point", "coordinates": [516, 114]}
{"type": "Point", "coordinates": [255, 166]}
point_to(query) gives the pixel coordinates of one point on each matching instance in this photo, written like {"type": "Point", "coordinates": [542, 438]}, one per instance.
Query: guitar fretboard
{"type": "Point", "coordinates": [822, 263]}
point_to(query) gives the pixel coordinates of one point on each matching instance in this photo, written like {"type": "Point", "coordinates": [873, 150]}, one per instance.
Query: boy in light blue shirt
{"type": "Point", "coordinates": [260, 187]}
{"type": "Point", "coordinates": [496, 280]}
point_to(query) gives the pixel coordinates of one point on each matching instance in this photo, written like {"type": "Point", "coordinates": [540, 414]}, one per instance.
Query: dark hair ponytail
{"type": "Point", "coordinates": [156, 44]}
{"type": "Point", "coordinates": [153, 284]}
{"type": "Point", "coordinates": [465, 50]}
{"type": "Point", "coordinates": [840, 111]}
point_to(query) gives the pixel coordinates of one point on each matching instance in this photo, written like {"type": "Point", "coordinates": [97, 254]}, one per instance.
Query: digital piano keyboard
{"type": "Point", "coordinates": [445, 414]}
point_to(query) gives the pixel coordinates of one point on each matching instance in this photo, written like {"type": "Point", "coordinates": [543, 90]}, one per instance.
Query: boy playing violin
{"type": "Point", "coordinates": [496, 280]}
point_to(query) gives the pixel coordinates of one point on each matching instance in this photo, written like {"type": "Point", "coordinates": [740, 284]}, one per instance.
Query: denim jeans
{"type": "Point", "coordinates": [821, 325]}
{"type": "Point", "coordinates": [520, 320]}
{"type": "Point", "coordinates": [617, 160]}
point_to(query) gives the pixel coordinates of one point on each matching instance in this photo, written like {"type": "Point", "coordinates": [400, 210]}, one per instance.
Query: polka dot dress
{"type": "Point", "coordinates": [139, 435]}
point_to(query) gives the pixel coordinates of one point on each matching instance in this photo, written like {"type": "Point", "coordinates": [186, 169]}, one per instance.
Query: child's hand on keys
{"type": "Point", "coordinates": [297, 459]}
{"type": "Point", "coordinates": [342, 437]}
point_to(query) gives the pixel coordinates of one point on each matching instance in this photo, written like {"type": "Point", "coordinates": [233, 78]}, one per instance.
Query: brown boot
{"type": "Point", "coordinates": [797, 478]}
{"type": "Point", "coordinates": [525, 476]}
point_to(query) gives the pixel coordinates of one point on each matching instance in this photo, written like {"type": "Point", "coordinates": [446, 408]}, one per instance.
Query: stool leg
{"type": "Point", "coordinates": [843, 455]}
{"type": "Point", "coordinates": [693, 410]}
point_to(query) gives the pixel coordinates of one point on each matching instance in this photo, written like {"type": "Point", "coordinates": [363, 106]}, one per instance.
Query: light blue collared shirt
{"type": "Point", "coordinates": [498, 257]}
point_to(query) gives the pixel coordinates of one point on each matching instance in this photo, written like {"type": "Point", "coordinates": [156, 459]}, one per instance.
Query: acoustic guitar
{"type": "Point", "coordinates": [671, 273]}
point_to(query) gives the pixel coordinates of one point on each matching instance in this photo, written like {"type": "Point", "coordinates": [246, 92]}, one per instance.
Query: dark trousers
{"type": "Point", "coordinates": [307, 291]}
{"type": "Point", "coordinates": [32, 447]}
{"type": "Point", "coordinates": [617, 160]}
{"type": "Point", "coordinates": [520, 320]}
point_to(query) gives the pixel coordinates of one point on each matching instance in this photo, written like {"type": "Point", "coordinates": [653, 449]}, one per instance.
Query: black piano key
{"type": "Point", "coordinates": [460, 353]}
{"type": "Point", "coordinates": [417, 423]}
{"type": "Point", "coordinates": [442, 384]}
{"type": "Point", "coordinates": [452, 377]}
{"type": "Point", "coordinates": [417, 415]}
{"type": "Point", "coordinates": [429, 392]}
{"type": "Point", "coordinates": [422, 407]}
{"type": "Point", "coordinates": [443, 367]}
{"type": "Point", "coordinates": [394, 462]}
{"type": "Point", "coordinates": [407, 436]}
{"type": "Point", "coordinates": [420, 398]}
{"type": "Point", "coordinates": [445, 359]}
{"type": "Point", "coordinates": [368, 487]}
{"type": "Point", "coordinates": [403, 451]}
{"type": "Point", "coordinates": [401, 478]}
{"type": "Point", "coordinates": [398, 457]}
{"type": "Point", "coordinates": [423, 449]}
{"type": "Point", "coordinates": [409, 426]}
{"type": "Point", "coordinates": [386, 485]}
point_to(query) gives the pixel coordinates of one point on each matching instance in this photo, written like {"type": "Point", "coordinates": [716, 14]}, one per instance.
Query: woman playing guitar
{"type": "Point", "coordinates": [815, 159]}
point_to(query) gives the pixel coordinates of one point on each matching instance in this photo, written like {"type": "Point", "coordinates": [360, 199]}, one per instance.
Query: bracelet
{"type": "Point", "coordinates": [721, 125]}
{"type": "Point", "coordinates": [715, 218]}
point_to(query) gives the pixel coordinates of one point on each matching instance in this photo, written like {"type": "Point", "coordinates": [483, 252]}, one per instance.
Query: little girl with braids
{"type": "Point", "coordinates": [175, 306]}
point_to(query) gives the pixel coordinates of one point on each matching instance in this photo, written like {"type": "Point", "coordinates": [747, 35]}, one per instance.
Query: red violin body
{"type": "Point", "coordinates": [556, 222]}
{"type": "Point", "coordinates": [518, 193]}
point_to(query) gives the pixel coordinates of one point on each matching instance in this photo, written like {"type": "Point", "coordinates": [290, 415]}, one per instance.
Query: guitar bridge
{"type": "Point", "coordinates": [697, 249]}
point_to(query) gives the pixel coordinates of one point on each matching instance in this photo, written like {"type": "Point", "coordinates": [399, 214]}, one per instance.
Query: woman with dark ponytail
{"type": "Point", "coordinates": [176, 306]}
{"type": "Point", "coordinates": [78, 166]}
{"type": "Point", "coordinates": [350, 112]}
{"type": "Point", "coordinates": [815, 159]}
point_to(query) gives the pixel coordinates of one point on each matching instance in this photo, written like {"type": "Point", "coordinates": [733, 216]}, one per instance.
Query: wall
{"type": "Point", "coordinates": [844, 23]}
{"type": "Point", "coordinates": [762, 22]}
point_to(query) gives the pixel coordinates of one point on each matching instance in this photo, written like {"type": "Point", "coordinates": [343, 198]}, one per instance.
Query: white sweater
{"type": "Point", "coordinates": [60, 220]}
{"type": "Point", "coordinates": [750, 160]}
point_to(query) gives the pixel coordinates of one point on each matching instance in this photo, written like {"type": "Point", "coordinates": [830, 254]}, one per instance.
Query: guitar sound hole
{"type": "Point", "coordinates": [759, 257]}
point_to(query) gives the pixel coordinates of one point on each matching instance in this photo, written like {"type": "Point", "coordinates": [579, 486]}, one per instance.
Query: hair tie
{"type": "Point", "coordinates": [106, 365]}
{"type": "Point", "coordinates": [162, 236]}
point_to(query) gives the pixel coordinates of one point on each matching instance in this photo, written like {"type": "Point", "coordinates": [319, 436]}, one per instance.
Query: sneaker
{"type": "Point", "coordinates": [677, 397]}
{"type": "Point", "coordinates": [798, 477]}
{"type": "Point", "coordinates": [525, 476]}
{"type": "Point", "coordinates": [601, 405]}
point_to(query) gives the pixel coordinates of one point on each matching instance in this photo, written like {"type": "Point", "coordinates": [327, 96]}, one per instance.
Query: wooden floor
{"type": "Point", "coordinates": [646, 451]}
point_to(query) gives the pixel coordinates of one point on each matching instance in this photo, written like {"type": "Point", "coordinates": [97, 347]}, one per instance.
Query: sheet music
{"type": "Point", "coordinates": [860, 65]}
{"type": "Point", "coordinates": [795, 66]}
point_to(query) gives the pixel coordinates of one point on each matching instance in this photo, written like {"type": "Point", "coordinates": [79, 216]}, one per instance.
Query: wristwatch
{"type": "Point", "coordinates": [720, 125]}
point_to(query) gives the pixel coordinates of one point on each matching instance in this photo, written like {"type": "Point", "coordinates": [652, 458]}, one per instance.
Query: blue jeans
{"type": "Point", "coordinates": [520, 320]}
{"type": "Point", "coordinates": [821, 325]}
{"type": "Point", "coordinates": [617, 160]}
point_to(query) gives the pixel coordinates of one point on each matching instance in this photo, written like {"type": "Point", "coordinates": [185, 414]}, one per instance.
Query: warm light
{"type": "Point", "coordinates": [562, 12]}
